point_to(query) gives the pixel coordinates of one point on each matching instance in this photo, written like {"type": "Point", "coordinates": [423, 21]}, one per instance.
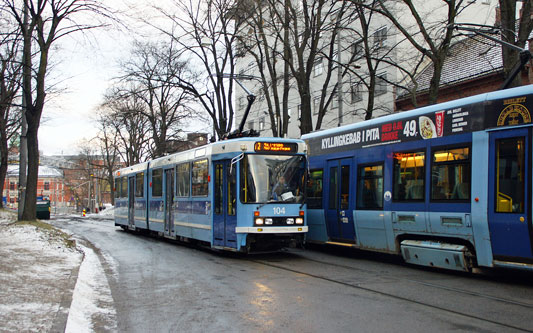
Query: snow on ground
{"type": "Point", "coordinates": [92, 304]}
{"type": "Point", "coordinates": [36, 268]}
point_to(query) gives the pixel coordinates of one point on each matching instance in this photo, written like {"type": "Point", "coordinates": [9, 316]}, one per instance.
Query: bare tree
{"type": "Point", "coordinates": [123, 116]}
{"type": "Point", "coordinates": [431, 37]}
{"type": "Point", "coordinates": [511, 35]}
{"type": "Point", "coordinates": [10, 77]}
{"type": "Point", "coordinates": [206, 32]}
{"type": "Point", "coordinates": [47, 22]}
{"type": "Point", "coordinates": [107, 141]}
{"type": "Point", "coordinates": [156, 69]}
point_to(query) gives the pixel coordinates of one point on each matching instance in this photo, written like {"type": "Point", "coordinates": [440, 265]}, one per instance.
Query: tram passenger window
{"type": "Point", "coordinates": [200, 173]}
{"type": "Point", "coordinates": [124, 187]}
{"type": "Point", "coordinates": [510, 172]}
{"type": "Point", "coordinates": [314, 189]}
{"type": "Point", "coordinates": [450, 174]}
{"type": "Point", "coordinates": [409, 175]}
{"type": "Point", "coordinates": [183, 178]}
{"type": "Point", "coordinates": [219, 189]}
{"type": "Point", "coordinates": [370, 187]}
{"type": "Point", "coordinates": [157, 183]}
{"type": "Point", "coordinates": [117, 187]}
{"type": "Point", "coordinates": [139, 185]}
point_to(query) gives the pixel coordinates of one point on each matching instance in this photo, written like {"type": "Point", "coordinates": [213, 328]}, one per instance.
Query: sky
{"type": "Point", "coordinates": [86, 64]}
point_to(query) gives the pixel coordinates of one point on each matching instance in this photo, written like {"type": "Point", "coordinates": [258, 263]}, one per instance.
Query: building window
{"type": "Point", "coordinates": [357, 50]}
{"type": "Point", "coordinates": [381, 85]}
{"type": "Point", "coordinates": [380, 36]}
{"type": "Point", "coordinates": [316, 105]}
{"type": "Point", "coordinates": [47, 186]}
{"type": "Point", "coordinates": [334, 99]}
{"type": "Point", "coordinates": [11, 186]}
{"type": "Point", "coordinates": [261, 123]}
{"type": "Point", "coordinates": [355, 93]}
{"type": "Point", "coordinates": [318, 67]}
{"type": "Point", "coordinates": [251, 125]}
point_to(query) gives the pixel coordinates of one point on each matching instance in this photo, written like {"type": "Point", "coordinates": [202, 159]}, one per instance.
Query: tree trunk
{"type": "Point", "coordinates": [29, 212]}
{"type": "Point", "coordinates": [510, 56]}
{"type": "Point", "coordinates": [3, 158]}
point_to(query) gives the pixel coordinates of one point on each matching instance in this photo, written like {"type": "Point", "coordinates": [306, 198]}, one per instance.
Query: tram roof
{"type": "Point", "coordinates": [499, 94]}
{"type": "Point", "coordinates": [220, 147]}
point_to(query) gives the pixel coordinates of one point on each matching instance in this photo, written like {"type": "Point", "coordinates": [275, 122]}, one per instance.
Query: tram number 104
{"type": "Point", "coordinates": [279, 210]}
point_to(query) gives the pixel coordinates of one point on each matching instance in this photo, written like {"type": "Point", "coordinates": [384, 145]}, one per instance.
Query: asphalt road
{"type": "Point", "coordinates": [162, 286]}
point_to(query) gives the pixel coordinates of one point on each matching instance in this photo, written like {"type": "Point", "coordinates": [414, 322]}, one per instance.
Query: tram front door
{"type": "Point", "coordinates": [169, 202]}
{"type": "Point", "coordinates": [225, 205]}
{"type": "Point", "coordinates": [510, 223]}
{"type": "Point", "coordinates": [339, 217]}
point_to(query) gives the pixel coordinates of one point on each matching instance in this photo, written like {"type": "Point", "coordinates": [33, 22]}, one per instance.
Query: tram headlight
{"type": "Point", "coordinates": [290, 220]}
{"type": "Point", "coordinates": [299, 220]}
{"type": "Point", "coordinates": [268, 221]}
{"type": "Point", "coordinates": [259, 221]}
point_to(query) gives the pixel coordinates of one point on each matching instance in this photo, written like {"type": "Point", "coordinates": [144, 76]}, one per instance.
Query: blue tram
{"type": "Point", "coordinates": [447, 185]}
{"type": "Point", "coordinates": [239, 195]}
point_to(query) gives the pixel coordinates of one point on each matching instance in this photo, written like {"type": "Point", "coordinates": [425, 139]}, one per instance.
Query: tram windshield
{"type": "Point", "coordinates": [272, 178]}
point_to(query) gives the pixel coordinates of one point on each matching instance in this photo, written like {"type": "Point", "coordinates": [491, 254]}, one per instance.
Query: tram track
{"type": "Point", "coordinates": [376, 290]}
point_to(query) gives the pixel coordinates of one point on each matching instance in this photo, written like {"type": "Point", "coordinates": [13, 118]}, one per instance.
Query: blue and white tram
{"type": "Point", "coordinates": [240, 195]}
{"type": "Point", "coordinates": [447, 185]}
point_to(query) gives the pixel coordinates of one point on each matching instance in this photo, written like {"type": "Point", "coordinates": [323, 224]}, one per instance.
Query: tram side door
{"type": "Point", "coordinates": [225, 201]}
{"type": "Point", "coordinates": [339, 216]}
{"type": "Point", "coordinates": [169, 200]}
{"type": "Point", "coordinates": [510, 224]}
{"type": "Point", "coordinates": [131, 202]}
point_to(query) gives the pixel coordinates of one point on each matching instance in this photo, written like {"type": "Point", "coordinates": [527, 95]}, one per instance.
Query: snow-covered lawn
{"type": "Point", "coordinates": [36, 282]}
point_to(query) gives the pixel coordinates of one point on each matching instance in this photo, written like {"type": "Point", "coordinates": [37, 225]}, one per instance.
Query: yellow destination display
{"type": "Point", "coordinates": [276, 147]}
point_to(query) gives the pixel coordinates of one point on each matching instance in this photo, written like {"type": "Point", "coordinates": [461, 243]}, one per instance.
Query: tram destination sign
{"type": "Point", "coordinates": [458, 120]}
{"type": "Point", "coordinates": [275, 147]}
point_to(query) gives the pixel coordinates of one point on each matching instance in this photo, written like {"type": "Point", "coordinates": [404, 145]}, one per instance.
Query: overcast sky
{"type": "Point", "coordinates": [87, 65]}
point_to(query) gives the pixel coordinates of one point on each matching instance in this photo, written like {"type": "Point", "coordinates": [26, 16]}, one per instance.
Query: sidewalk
{"type": "Point", "coordinates": [49, 283]}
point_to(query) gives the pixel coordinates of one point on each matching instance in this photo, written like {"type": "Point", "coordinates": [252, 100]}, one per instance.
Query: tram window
{"type": "Point", "coordinates": [370, 187]}
{"type": "Point", "coordinates": [219, 189]}
{"type": "Point", "coordinates": [314, 189]}
{"type": "Point", "coordinates": [510, 170]}
{"type": "Point", "coordinates": [199, 178]}
{"type": "Point", "coordinates": [232, 191]}
{"type": "Point", "coordinates": [157, 183]}
{"type": "Point", "coordinates": [117, 187]}
{"type": "Point", "coordinates": [124, 187]}
{"type": "Point", "coordinates": [450, 174]}
{"type": "Point", "coordinates": [183, 177]}
{"type": "Point", "coordinates": [139, 185]}
{"type": "Point", "coordinates": [409, 176]}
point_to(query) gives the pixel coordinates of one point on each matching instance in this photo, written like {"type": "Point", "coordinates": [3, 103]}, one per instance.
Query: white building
{"type": "Point", "coordinates": [350, 104]}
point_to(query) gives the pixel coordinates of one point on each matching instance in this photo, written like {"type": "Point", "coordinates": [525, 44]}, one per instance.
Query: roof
{"type": "Point", "coordinates": [467, 59]}
{"type": "Point", "coordinates": [44, 171]}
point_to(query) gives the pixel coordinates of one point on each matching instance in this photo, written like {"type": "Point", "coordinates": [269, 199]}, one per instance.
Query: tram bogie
{"type": "Point", "coordinates": [448, 185]}
{"type": "Point", "coordinates": [235, 195]}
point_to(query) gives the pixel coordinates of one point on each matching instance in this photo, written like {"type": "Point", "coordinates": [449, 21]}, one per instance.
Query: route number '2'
{"type": "Point", "coordinates": [410, 128]}
{"type": "Point", "coordinates": [279, 210]}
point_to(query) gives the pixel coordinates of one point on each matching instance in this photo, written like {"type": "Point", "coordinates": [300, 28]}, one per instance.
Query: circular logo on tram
{"type": "Point", "coordinates": [514, 114]}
